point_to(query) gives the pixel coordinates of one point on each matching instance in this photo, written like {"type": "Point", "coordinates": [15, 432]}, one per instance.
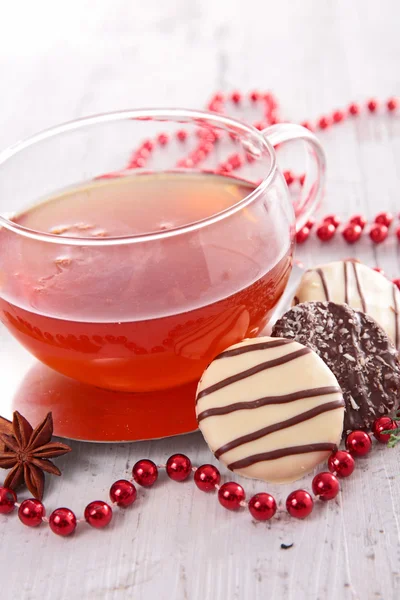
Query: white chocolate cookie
{"type": "Point", "coordinates": [270, 408]}
{"type": "Point", "coordinates": [361, 287]}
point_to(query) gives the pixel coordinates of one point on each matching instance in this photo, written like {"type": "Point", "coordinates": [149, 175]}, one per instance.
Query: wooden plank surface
{"type": "Point", "coordinates": [65, 60]}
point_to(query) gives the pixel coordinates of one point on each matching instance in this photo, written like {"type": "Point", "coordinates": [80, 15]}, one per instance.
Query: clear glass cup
{"type": "Point", "coordinates": [148, 310]}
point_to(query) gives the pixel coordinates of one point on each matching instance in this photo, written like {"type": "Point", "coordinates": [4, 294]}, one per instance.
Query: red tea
{"type": "Point", "coordinates": [148, 315]}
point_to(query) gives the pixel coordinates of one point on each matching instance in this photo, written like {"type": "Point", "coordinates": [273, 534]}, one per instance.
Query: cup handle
{"type": "Point", "coordinates": [311, 192]}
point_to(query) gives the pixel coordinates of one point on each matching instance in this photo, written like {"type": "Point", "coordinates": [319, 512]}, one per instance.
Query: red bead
{"type": "Point", "coordinates": [326, 231]}
{"type": "Point", "coordinates": [302, 179]}
{"type": "Point", "coordinates": [378, 233]}
{"type": "Point", "coordinates": [123, 493]}
{"type": "Point", "coordinates": [359, 220]}
{"type": "Point", "coordinates": [311, 222]}
{"type": "Point", "coordinates": [62, 521]}
{"type": "Point", "coordinates": [325, 486]}
{"type": "Point", "coordinates": [31, 512]}
{"type": "Point", "coordinates": [383, 424]}
{"type": "Point", "coordinates": [324, 122]}
{"type": "Point", "coordinates": [230, 495]}
{"type": "Point", "coordinates": [218, 97]}
{"type": "Point", "coordinates": [299, 504]}
{"type": "Point", "coordinates": [354, 109]}
{"type": "Point", "coordinates": [302, 235]}
{"type": "Point", "coordinates": [341, 463]}
{"type": "Point", "coordinates": [379, 270]}
{"type": "Point", "coordinates": [262, 507]}
{"type": "Point", "coordinates": [8, 499]}
{"type": "Point", "coordinates": [307, 125]}
{"type": "Point", "coordinates": [236, 97]}
{"type": "Point", "coordinates": [148, 144]}
{"type": "Point", "coordinates": [398, 233]}
{"type": "Point", "coordinates": [143, 153]}
{"type": "Point", "coordinates": [338, 116]}
{"type": "Point", "coordinates": [333, 219]}
{"type": "Point", "coordinates": [384, 218]}
{"type": "Point", "coordinates": [352, 233]}
{"type": "Point", "coordinates": [372, 105]}
{"type": "Point", "coordinates": [396, 282]}
{"type": "Point", "coordinates": [358, 443]}
{"type": "Point", "coordinates": [179, 467]}
{"type": "Point", "coordinates": [255, 96]}
{"type": "Point", "coordinates": [207, 477]}
{"type": "Point", "coordinates": [98, 514]}
{"type": "Point", "coordinates": [145, 472]}
{"type": "Point", "coordinates": [391, 104]}
{"type": "Point", "coordinates": [162, 139]}
{"type": "Point", "coordinates": [288, 175]}
{"type": "Point", "coordinates": [181, 135]}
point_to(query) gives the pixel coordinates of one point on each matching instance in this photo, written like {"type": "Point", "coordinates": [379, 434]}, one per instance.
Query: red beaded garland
{"type": "Point", "coordinates": [325, 486]}
{"type": "Point", "coordinates": [333, 220]}
{"type": "Point", "coordinates": [341, 463]}
{"type": "Point", "coordinates": [378, 233]}
{"type": "Point", "coordinates": [8, 499]}
{"type": "Point", "coordinates": [326, 231]}
{"type": "Point", "coordinates": [262, 506]}
{"type": "Point", "coordinates": [302, 235]}
{"type": "Point", "coordinates": [31, 512]}
{"type": "Point", "coordinates": [178, 467]}
{"type": "Point", "coordinates": [145, 472]}
{"type": "Point", "coordinates": [383, 424]}
{"type": "Point", "coordinates": [62, 522]}
{"type": "Point", "coordinates": [230, 495]}
{"type": "Point", "coordinates": [299, 504]}
{"type": "Point", "coordinates": [352, 233]}
{"type": "Point", "coordinates": [98, 514]}
{"type": "Point", "coordinates": [384, 218]}
{"type": "Point", "coordinates": [358, 443]}
{"type": "Point", "coordinates": [123, 493]}
{"type": "Point", "coordinates": [207, 477]}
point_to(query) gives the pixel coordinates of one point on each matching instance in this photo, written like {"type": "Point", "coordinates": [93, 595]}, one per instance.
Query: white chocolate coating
{"type": "Point", "coordinates": [359, 286]}
{"type": "Point", "coordinates": [291, 403]}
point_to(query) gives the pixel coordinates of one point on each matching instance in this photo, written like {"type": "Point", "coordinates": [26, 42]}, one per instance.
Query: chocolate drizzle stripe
{"type": "Point", "coordinates": [324, 282]}
{"type": "Point", "coordinates": [253, 348]}
{"type": "Point", "coordinates": [396, 316]}
{"type": "Point", "coordinates": [276, 362]}
{"type": "Point", "coordinates": [296, 420]}
{"type": "Point", "coordinates": [267, 400]}
{"type": "Point", "coordinates": [359, 288]}
{"type": "Point", "coordinates": [281, 453]}
{"type": "Point", "coordinates": [346, 283]}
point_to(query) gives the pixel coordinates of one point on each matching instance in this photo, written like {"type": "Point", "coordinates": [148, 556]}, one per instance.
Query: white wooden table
{"type": "Point", "coordinates": [65, 60]}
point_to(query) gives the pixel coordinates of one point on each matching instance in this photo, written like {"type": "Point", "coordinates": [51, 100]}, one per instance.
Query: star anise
{"type": "Point", "coordinates": [26, 452]}
{"type": "Point", "coordinates": [5, 427]}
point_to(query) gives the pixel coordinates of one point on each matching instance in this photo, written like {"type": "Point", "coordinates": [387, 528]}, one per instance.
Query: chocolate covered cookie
{"type": "Point", "coordinates": [359, 286]}
{"type": "Point", "coordinates": [270, 409]}
{"type": "Point", "coordinates": [356, 349]}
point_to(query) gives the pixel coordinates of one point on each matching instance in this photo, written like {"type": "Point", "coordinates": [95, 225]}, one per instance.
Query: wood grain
{"type": "Point", "coordinates": [64, 60]}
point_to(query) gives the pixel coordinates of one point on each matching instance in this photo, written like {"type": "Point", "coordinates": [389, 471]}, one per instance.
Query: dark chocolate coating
{"type": "Point", "coordinates": [358, 352]}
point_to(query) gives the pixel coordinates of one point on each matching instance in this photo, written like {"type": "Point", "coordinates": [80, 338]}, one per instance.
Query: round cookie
{"type": "Point", "coordinates": [351, 282]}
{"type": "Point", "coordinates": [270, 409]}
{"type": "Point", "coordinates": [356, 349]}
